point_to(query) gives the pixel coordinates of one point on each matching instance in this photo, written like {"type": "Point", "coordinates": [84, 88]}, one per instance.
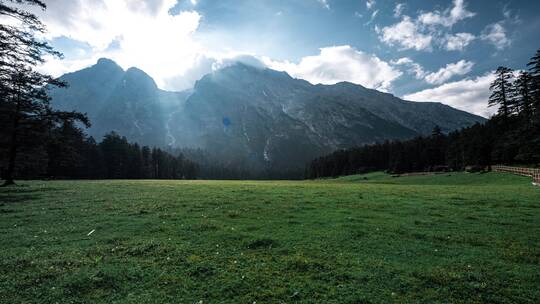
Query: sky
{"type": "Point", "coordinates": [444, 51]}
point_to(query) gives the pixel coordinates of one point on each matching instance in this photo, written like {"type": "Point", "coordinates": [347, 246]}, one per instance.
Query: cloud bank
{"type": "Point", "coordinates": [428, 30]}
{"type": "Point", "coordinates": [341, 63]}
{"type": "Point", "coordinates": [405, 34]}
{"type": "Point", "coordinates": [444, 74]}
{"type": "Point", "coordinates": [468, 94]}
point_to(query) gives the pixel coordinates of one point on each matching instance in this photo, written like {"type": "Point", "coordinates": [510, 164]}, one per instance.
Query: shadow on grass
{"type": "Point", "coordinates": [20, 198]}
{"type": "Point", "coordinates": [21, 193]}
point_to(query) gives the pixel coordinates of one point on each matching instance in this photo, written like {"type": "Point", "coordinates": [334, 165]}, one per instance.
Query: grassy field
{"type": "Point", "coordinates": [451, 238]}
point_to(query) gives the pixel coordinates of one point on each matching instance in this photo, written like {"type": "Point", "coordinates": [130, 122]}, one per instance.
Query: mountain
{"type": "Point", "coordinates": [266, 118]}
{"type": "Point", "coordinates": [246, 116]}
{"type": "Point", "coordinates": [128, 102]}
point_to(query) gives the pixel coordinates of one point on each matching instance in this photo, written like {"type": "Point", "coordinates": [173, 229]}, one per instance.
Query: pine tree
{"type": "Point", "coordinates": [435, 148]}
{"type": "Point", "coordinates": [146, 155]}
{"type": "Point", "coordinates": [534, 68]}
{"type": "Point", "coordinates": [500, 95]}
{"type": "Point", "coordinates": [65, 149]}
{"type": "Point", "coordinates": [522, 95]}
{"type": "Point", "coordinates": [29, 112]}
{"type": "Point", "coordinates": [24, 105]}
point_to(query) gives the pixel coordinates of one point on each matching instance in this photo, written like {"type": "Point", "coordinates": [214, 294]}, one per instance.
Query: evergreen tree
{"type": "Point", "coordinates": [18, 43]}
{"type": "Point", "coordinates": [24, 106]}
{"type": "Point", "coordinates": [146, 155]}
{"type": "Point", "coordinates": [29, 114]}
{"type": "Point", "coordinates": [500, 92]}
{"type": "Point", "coordinates": [437, 148]}
{"type": "Point", "coordinates": [522, 95]}
{"type": "Point", "coordinates": [93, 167]}
{"type": "Point", "coordinates": [534, 68]}
{"type": "Point", "coordinates": [65, 150]}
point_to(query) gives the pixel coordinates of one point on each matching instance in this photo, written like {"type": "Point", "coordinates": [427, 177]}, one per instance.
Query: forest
{"type": "Point", "coordinates": [511, 136]}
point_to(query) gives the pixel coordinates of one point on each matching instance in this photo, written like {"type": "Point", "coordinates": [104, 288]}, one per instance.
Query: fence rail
{"type": "Point", "coordinates": [534, 173]}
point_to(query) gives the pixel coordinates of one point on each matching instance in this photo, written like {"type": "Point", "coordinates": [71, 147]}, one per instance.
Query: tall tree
{"type": "Point", "coordinates": [522, 95]}
{"type": "Point", "coordinates": [24, 102]}
{"type": "Point", "coordinates": [66, 150]}
{"type": "Point", "coordinates": [18, 42]}
{"type": "Point", "coordinates": [534, 68]}
{"type": "Point", "coordinates": [500, 91]}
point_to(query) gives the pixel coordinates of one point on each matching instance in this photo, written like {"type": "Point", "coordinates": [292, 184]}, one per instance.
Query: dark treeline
{"type": "Point", "coordinates": [214, 167]}
{"type": "Point", "coordinates": [65, 152]}
{"type": "Point", "coordinates": [73, 155]}
{"type": "Point", "coordinates": [512, 136]}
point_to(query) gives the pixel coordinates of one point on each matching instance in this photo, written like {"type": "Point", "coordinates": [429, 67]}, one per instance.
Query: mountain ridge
{"type": "Point", "coordinates": [250, 116]}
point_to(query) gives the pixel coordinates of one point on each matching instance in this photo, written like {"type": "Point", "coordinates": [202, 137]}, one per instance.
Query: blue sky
{"type": "Point", "coordinates": [422, 50]}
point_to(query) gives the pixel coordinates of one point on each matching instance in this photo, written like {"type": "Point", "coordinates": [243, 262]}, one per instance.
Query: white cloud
{"type": "Point", "coordinates": [341, 63]}
{"type": "Point", "coordinates": [370, 4]}
{"type": "Point", "coordinates": [510, 15]}
{"type": "Point", "coordinates": [398, 10]}
{"type": "Point", "coordinates": [373, 16]}
{"type": "Point", "coordinates": [325, 4]}
{"type": "Point", "coordinates": [428, 29]}
{"type": "Point", "coordinates": [468, 94]}
{"type": "Point", "coordinates": [507, 13]}
{"type": "Point", "coordinates": [416, 69]}
{"type": "Point", "coordinates": [403, 60]}
{"type": "Point", "coordinates": [461, 67]}
{"type": "Point", "coordinates": [207, 63]}
{"type": "Point", "coordinates": [406, 34]}
{"type": "Point", "coordinates": [57, 67]}
{"type": "Point", "coordinates": [201, 65]}
{"type": "Point", "coordinates": [233, 58]}
{"type": "Point", "coordinates": [447, 18]}
{"type": "Point", "coordinates": [143, 33]}
{"type": "Point", "coordinates": [459, 41]}
{"type": "Point", "coordinates": [496, 34]}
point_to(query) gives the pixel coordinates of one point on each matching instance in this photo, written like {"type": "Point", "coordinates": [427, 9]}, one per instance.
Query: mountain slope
{"type": "Point", "coordinates": [268, 119]}
{"type": "Point", "coordinates": [250, 117]}
{"type": "Point", "coordinates": [419, 116]}
{"type": "Point", "coordinates": [128, 102]}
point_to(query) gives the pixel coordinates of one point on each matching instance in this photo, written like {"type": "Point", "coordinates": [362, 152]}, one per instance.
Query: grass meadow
{"type": "Point", "coordinates": [449, 238]}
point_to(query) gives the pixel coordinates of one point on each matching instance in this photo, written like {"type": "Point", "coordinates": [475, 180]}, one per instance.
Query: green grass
{"type": "Point", "coordinates": [450, 238]}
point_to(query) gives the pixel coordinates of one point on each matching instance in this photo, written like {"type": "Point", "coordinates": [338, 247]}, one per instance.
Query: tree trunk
{"type": "Point", "coordinates": [504, 100]}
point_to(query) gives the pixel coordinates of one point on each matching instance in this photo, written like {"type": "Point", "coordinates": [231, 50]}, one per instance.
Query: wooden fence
{"type": "Point", "coordinates": [534, 173]}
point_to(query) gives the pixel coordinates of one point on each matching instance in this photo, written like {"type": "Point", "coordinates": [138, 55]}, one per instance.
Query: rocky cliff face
{"type": "Point", "coordinates": [242, 115]}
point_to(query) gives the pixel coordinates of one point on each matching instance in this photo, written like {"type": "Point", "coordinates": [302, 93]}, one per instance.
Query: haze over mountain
{"type": "Point", "coordinates": [248, 115]}
{"type": "Point", "coordinates": [128, 102]}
